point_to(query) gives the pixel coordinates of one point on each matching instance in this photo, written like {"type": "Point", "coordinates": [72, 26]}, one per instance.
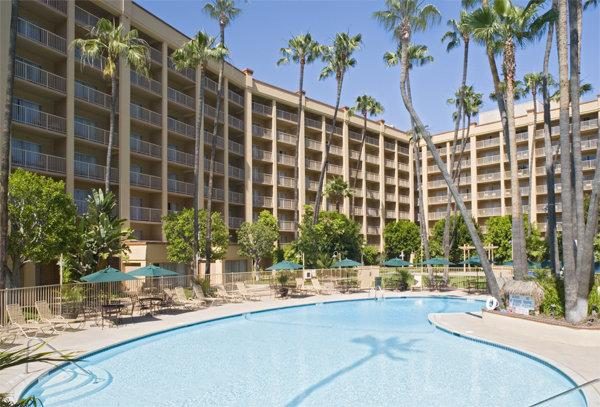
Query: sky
{"type": "Point", "coordinates": [264, 26]}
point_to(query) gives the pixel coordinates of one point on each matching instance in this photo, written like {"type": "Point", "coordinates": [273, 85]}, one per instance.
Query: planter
{"type": "Point", "coordinates": [283, 292]}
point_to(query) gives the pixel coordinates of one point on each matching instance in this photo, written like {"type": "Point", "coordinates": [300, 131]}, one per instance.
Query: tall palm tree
{"type": "Point", "coordinates": [110, 43]}
{"type": "Point", "coordinates": [368, 106]}
{"type": "Point", "coordinates": [503, 27]}
{"type": "Point", "coordinates": [301, 49]}
{"type": "Point", "coordinates": [5, 141]}
{"type": "Point", "coordinates": [336, 190]}
{"type": "Point", "coordinates": [197, 53]}
{"type": "Point", "coordinates": [224, 11]}
{"type": "Point", "coordinates": [402, 18]}
{"type": "Point", "coordinates": [338, 59]}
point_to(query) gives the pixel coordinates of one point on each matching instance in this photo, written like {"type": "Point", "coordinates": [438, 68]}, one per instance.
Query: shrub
{"type": "Point", "coordinates": [554, 298]}
{"type": "Point", "coordinates": [398, 280]}
{"type": "Point", "coordinates": [594, 298]}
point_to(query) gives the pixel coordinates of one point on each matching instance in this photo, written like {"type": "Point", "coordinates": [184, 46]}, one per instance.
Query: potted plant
{"type": "Point", "coordinates": [282, 279]}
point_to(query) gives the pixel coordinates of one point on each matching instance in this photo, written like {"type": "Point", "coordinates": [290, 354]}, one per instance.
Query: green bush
{"type": "Point", "coordinates": [204, 284]}
{"type": "Point", "coordinates": [554, 294]}
{"type": "Point", "coordinates": [401, 279]}
{"type": "Point", "coordinates": [594, 298]}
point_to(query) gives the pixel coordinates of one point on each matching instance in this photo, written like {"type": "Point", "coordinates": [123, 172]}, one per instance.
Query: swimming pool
{"type": "Point", "coordinates": [337, 354]}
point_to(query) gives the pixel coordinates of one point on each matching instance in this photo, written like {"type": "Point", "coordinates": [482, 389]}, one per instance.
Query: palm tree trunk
{"type": "Point", "coordinates": [111, 131]}
{"type": "Point", "coordinates": [358, 163]}
{"type": "Point", "coordinates": [518, 233]}
{"type": "Point", "coordinates": [326, 152]}
{"type": "Point", "coordinates": [530, 219]}
{"type": "Point", "coordinates": [487, 269]}
{"type": "Point", "coordinates": [5, 143]}
{"type": "Point", "coordinates": [297, 186]}
{"type": "Point", "coordinates": [197, 141]}
{"type": "Point", "coordinates": [213, 152]}
{"type": "Point", "coordinates": [551, 236]}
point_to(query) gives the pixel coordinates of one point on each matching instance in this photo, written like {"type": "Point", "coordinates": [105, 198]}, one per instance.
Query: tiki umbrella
{"type": "Point", "coordinates": [346, 263]}
{"type": "Point", "coordinates": [437, 261]}
{"type": "Point", "coordinates": [107, 275]}
{"type": "Point", "coordinates": [396, 262]}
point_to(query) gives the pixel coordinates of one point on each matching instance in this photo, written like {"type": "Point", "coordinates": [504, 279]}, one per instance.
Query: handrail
{"type": "Point", "coordinates": [44, 343]}
{"type": "Point", "coordinates": [578, 387]}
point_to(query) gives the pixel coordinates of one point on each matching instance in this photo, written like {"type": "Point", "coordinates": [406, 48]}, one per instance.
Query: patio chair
{"type": "Point", "coordinates": [183, 299]}
{"type": "Point", "coordinates": [7, 335]}
{"type": "Point", "coordinates": [245, 293]}
{"type": "Point", "coordinates": [57, 321]}
{"type": "Point", "coordinates": [301, 288]}
{"type": "Point", "coordinates": [322, 289]}
{"type": "Point", "coordinates": [418, 285]}
{"type": "Point", "coordinates": [25, 326]}
{"type": "Point", "coordinates": [227, 296]}
{"type": "Point", "coordinates": [199, 294]}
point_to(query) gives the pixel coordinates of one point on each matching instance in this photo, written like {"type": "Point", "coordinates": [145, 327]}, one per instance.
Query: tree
{"type": "Point", "coordinates": [401, 237]}
{"type": "Point", "coordinates": [367, 106]}
{"type": "Point", "coordinates": [338, 59]}
{"type": "Point", "coordinates": [306, 246]}
{"type": "Point", "coordinates": [224, 11]}
{"type": "Point", "coordinates": [336, 190]}
{"type": "Point", "coordinates": [302, 49]}
{"type": "Point", "coordinates": [257, 239]}
{"type": "Point", "coordinates": [5, 142]}
{"type": "Point", "coordinates": [370, 256]}
{"type": "Point", "coordinates": [102, 236]}
{"type": "Point", "coordinates": [402, 18]}
{"type": "Point", "coordinates": [179, 233]}
{"type": "Point", "coordinates": [499, 233]}
{"type": "Point", "coordinates": [537, 249]}
{"type": "Point", "coordinates": [197, 53]}
{"type": "Point", "coordinates": [42, 221]}
{"type": "Point", "coordinates": [460, 238]}
{"type": "Point", "coordinates": [112, 44]}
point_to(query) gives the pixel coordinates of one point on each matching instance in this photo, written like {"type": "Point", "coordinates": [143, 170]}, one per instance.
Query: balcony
{"type": "Point", "coordinates": [286, 182]}
{"type": "Point", "coordinates": [180, 157]}
{"type": "Point", "coordinates": [96, 63]}
{"type": "Point", "coordinates": [357, 211]}
{"type": "Point", "coordinates": [262, 109]}
{"type": "Point", "coordinates": [489, 159]}
{"type": "Point", "coordinates": [145, 115]}
{"type": "Point", "coordinates": [337, 150]}
{"type": "Point", "coordinates": [139, 179]}
{"type": "Point", "coordinates": [313, 185]}
{"type": "Point", "coordinates": [32, 32]}
{"type": "Point", "coordinates": [354, 135]}
{"type": "Point", "coordinates": [236, 197]}
{"type": "Point", "coordinates": [235, 223]}
{"type": "Point", "coordinates": [372, 194]}
{"type": "Point", "coordinates": [285, 203]}
{"type": "Point", "coordinates": [287, 138]}
{"type": "Point", "coordinates": [262, 155]}
{"type": "Point", "coordinates": [373, 230]}
{"type": "Point", "coordinates": [219, 166]}
{"type": "Point", "coordinates": [84, 18]}
{"type": "Point", "coordinates": [218, 194]}
{"type": "Point", "coordinates": [219, 141]}
{"type": "Point", "coordinates": [57, 5]}
{"type": "Point", "coordinates": [236, 148]}
{"type": "Point", "coordinates": [389, 145]}
{"type": "Point", "coordinates": [155, 55]}
{"type": "Point", "coordinates": [371, 176]}
{"type": "Point", "coordinates": [404, 183]}
{"type": "Point", "coordinates": [372, 140]}
{"type": "Point", "coordinates": [488, 143]}
{"type": "Point", "coordinates": [404, 199]}
{"type": "Point", "coordinates": [147, 84]}
{"type": "Point", "coordinates": [584, 126]}
{"type": "Point", "coordinates": [373, 212]}
{"type": "Point", "coordinates": [181, 128]}
{"type": "Point", "coordinates": [287, 226]}
{"type": "Point", "coordinates": [494, 211]}
{"type": "Point", "coordinates": [142, 214]}
{"type": "Point", "coordinates": [390, 197]}
{"type": "Point", "coordinates": [390, 180]}
{"type": "Point", "coordinates": [145, 148]}
{"type": "Point", "coordinates": [262, 177]}
{"type": "Point", "coordinates": [258, 131]}
{"type": "Point", "coordinates": [181, 98]}
{"type": "Point", "coordinates": [313, 165]}
{"type": "Point", "coordinates": [39, 119]}
{"type": "Point", "coordinates": [92, 96]}
{"type": "Point", "coordinates": [236, 123]}
{"type": "Point", "coordinates": [262, 201]}
{"type": "Point", "coordinates": [522, 136]}
{"type": "Point", "coordinates": [284, 115]}
{"type": "Point", "coordinates": [236, 173]}
{"type": "Point", "coordinates": [95, 172]}
{"type": "Point", "coordinates": [403, 150]}
{"type": "Point", "coordinates": [37, 161]}
{"type": "Point", "coordinates": [312, 123]}
{"type": "Point", "coordinates": [489, 176]}
{"type": "Point", "coordinates": [40, 77]}
{"type": "Point", "coordinates": [334, 169]}
{"type": "Point", "coordinates": [93, 134]}
{"type": "Point", "coordinates": [522, 154]}
{"type": "Point", "coordinates": [187, 73]}
{"type": "Point", "coordinates": [338, 129]}
{"type": "Point", "coordinates": [440, 183]}
{"type": "Point", "coordinates": [286, 159]}
{"type": "Point", "coordinates": [180, 187]}
{"type": "Point", "coordinates": [390, 214]}
{"type": "Point", "coordinates": [236, 98]}
{"type": "Point", "coordinates": [211, 85]}
{"type": "Point", "coordinates": [403, 167]}
{"type": "Point", "coordinates": [389, 163]}
{"type": "Point", "coordinates": [313, 144]}
{"type": "Point", "coordinates": [489, 194]}
{"type": "Point", "coordinates": [437, 215]}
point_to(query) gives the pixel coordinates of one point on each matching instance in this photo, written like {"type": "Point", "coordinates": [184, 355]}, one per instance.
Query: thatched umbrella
{"type": "Point", "coordinates": [528, 288]}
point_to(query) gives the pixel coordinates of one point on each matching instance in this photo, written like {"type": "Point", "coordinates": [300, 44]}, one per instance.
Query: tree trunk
{"type": "Point", "coordinates": [5, 143]}
{"type": "Point", "coordinates": [111, 131]}
{"type": "Point", "coordinates": [487, 269]}
{"type": "Point", "coordinates": [358, 163]}
{"type": "Point", "coordinates": [297, 186]}
{"type": "Point", "coordinates": [325, 159]}
{"type": "Point", "coordinates": [518, 233]}
{"type": "Point", "coordinates": [532, 174]}
{"type": "Point", "coordinates": [197, 163]}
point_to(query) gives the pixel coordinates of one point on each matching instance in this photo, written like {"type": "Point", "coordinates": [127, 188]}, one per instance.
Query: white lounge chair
{"type": "Point", "coordinates": [182, 298]}
{"type": "Point", "coordinates": [199, 294]}
{"type": "Point", "coordinates": [245, 293]}
{"type": "Point", "coordinates": [27, 327]}
{"type": "Point", "coordinates": [301, 288]}
{"type": "Point", "coordinates": [57, 321]}
{"type": "Point", "coordinates": [227, 296]}
{"type": "Point", "coordinates": [322, 289]}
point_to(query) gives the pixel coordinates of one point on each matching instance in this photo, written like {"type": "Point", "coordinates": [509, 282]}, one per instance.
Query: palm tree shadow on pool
{"type": "Point", "coordinates": [391, 348]}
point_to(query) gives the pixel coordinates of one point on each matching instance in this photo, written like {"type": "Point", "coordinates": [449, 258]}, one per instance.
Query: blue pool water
{"type": "Point", "coordinates": [355, 353]}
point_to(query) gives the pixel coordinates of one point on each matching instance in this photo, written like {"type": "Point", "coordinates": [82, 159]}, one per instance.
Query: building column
{"type": "Point", "coordinates": [70, 106]}
{"type": "Point", "coordinates": [164, 133]}
{"type": "Point", "coordinates": [301, 181]}
{"type": "Point", "coordinates": [275, 172]}
{"type": "Point", "coordinates": [502, 175]}
{"type": "Point", "coordinates": [226, 151]}
{"type": "Point", "coordinates": [248, 145]}
{"type": "Point", "coordinates": [346, 158]}
{"type": "Point", "coordinates": [124, 127]}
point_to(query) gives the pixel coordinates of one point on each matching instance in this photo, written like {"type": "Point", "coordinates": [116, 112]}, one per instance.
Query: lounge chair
{"type": "Point", "coordinates": [27, 327]}
{"type": "Point", "coordinates": [57, 321]}
{"type": "Point", "coordinates": [418, 285]}
{"type": "Point", "coordinates": [183, 299]}
{"type": "Point", "coordinates": [245, 293]}
{"type": "Point", "coordinates": [326, 288]}
{"type": "Point", "coordinates": [199, 294]}
{"type": "Point", "coordinates": [301, 288]}
{"type": "Point", "coordinates": [227, 296]}
{"type": "Point", "coordinates": [7, 335]}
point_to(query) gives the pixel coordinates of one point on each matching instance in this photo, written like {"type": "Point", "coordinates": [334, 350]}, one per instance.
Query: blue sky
{"type": "Point", "coordinates": [255, 37]}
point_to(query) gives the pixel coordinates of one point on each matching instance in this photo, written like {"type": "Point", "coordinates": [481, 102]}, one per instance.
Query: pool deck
{"type": "Point", "coordinates": [582, 363]}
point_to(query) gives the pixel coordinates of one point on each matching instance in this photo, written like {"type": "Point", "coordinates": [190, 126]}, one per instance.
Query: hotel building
{"type": "Point", "coordinates": [60, 129]}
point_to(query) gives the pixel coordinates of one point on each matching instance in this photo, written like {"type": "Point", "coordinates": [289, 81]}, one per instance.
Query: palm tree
{"type": "Point", "coordinates": [5, 141]}
{"type": "Point", "coordinates": [336, 190]}
{"type": "Point", "coordinates": [368, 106]}
{"type": "Point", "coordinates": [402, 18]}
{"type": "Point", "coordinates": [224, 11]}
{"type": "Point", "coordinates": [505, 26]}
{"type": "Point", "coordinates": [196, 53]}
{"type": "Point", "coordinates": [338, 59]}
{"type": "Point", "coordinates": [110, 43]}
{"type": "Point", "coordinates": [302, 50]}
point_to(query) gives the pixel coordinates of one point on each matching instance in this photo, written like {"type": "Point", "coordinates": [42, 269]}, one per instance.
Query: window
{"type": "Point", "coordinates": [236, 266]}
{"type": "Point", "coordinates": [26, 153]}
{"type": "Point", "coordinates": [135, 201]}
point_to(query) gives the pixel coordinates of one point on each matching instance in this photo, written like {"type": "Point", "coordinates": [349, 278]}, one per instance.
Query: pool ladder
{"type": "Point", "coordinates": [578, 387]}
{"type": "Point", "coordinates": [377, 291]}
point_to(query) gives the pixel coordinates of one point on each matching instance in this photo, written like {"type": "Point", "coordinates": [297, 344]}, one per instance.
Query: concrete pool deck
{"type": "Point", "coordinates": [582, 363]}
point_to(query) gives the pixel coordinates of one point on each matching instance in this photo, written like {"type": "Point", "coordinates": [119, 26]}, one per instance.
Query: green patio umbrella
{"type": "Point", "coordinates": [152, 271]}
{"type": "Point", "coordinates": [346, 263]}
{"type": "Point", "coordinates": [471, 261]}
{"type": "Point", "coordinates": [530, 264]}
{"type": "Point", "coordinates": [107, 275]}
{"type": "Point", "coordinates": [437, 261]}
{"type": "Point", "coordinates": [396, 262]}
{"type": "Point", "coordinates": [285, 265]}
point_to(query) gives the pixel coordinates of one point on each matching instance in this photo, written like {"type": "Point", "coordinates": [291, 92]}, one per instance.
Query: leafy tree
{"type": "Point", "coordinates": [179, 231]}
{"type": "Point", "coordinates": [336, 190]}
{"type": "Point", "coordinates": [110, 42]}
{"type": "Point", "coordinates": [370, 255]}
{"type": "Point", "coordinates": [499, 233]}
{"type": "Point", "coordinates": [258, 239]}
{"type": "Point", "coordinates": [461, 237]}
{"type": "Point", "coordinates": [42, 220]}
{"type": "Point", "coordinates": [101, 236]}
{"type": "Point", "coordinates": [306, 246]}
{"type": "Point", "coordinates": [537, 248]}
{"type": "Point", "coordinates": [402, 236]}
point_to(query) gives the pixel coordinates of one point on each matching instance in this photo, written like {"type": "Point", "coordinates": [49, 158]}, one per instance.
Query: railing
{"type": "Point", "coordinates": [496, 211]}
{"type": "Point", "coordinates": [286, 159]}
{"type": "Point", "coordinates": [180, 157]}
{"type": "Point", "coordinates": [145, 115]}
{"type": "Point", "coordinates": [389, 145]}
{"type": "Point", "coordinates": [37, 161]}
{"type": "Point", "coordinates": [489, 194]}
{"type": "Point", "coordinates": [235, 223]}
{"type": "Point", "coordinates": [286, 138]}
{"type": "Point", "coordinates": [313, 185]}
{"type": "Point", "coordinates": [91, 95]}
{"type": "Point", "coordinates": [286, 181]}
{"type": "Point", "coordinates": [389, 163]}
{"type": "Point", "coordinates": [218, 193]}
{"type": "Point", "coordinates": [291, 117]}
{"type": "Point", "coordinates": [287, 226]}
{"type": "Point", "coordinates": [262, 155]}
{"type": "Point", "coordinates": [403, 150]}
{"type": "Point", "coordinates": [155, 55]}
{"type": "Point", "coordinates": [312, 123]}
{"type": "Point", "coordinates": [522, 136]}
{"type": "Point", "coordinates": [186, 72]}
{"type": "Point", "coordinates": [372, 177]}
{"type": "Point", "coordinates": [262, 201]}
{"type": "Point", "coordinates": [337, 150]}
{"type": "Point", "coordinates": [236, 148]}
{"type": "Point", "coordinates": [372, 212]}
{"type": "Point", "coordinates": [313, 144]}
{"type": "Point", "coordinates": [334, 169]}
{"type": "Point", "coordinates": [488, 143]}
{"type": "Point", "coordinates": [313, 165]}
{"type": "Point", "coordinates": [219, 167]}
{"type": "Point", "coordinates": [489, 176]}
{"type": "Point", "coordinates": [145, 147]}
{"type": "Point", "coordinates": [94, 134]}
{"type": "Point", "coordinates": [572, 389]}
{"type": "Point", "coordinates": [40, 35]}
{"type": "Point", "coordinates": [262, 109]}
{"type": "Point", "coordinates": [403, 167]}
{"type": "Point", "coordinates": [262, 177]}
{"type": "Point", "coordinates": [208, 138]}
{"type": "Point", "coordinates": [40, 77]}
{"type": "Point", "coordinates": [236, 173]}
{"type": "Point", "coordinates": [338, 129]}
{"type": "Point", "coordinates": [236, 98]}
{"type": "Point", "coordinates": [373, 159]}
{"type": "Point", "coordinates": [373, 230]}
{"type": "Point", "coordinates": [145, 180]}
{"type": "Point", "coordinates": [403, 183]}
{"type": "Point", "coordinates": [180, 187]}
{"type": "Point", "coordinates": [181, 98]}
{"type": "Point", "coordinates": [390, 196]}
{"type": "Point", "coordinates": [355, 155]}
{"type": "Point", "coordinates": [236, 123]}
{"type": "Point", "coordinates": [236, 197]}
{"type": "Point", "coordinates": [142, 214]}
{"type": "Point", "coordinates": [37, 118]}
{"type": "Point", "coordinates": [357, 211]}
{"type": "Point", "coordinates": [258, 131]}
{"type": "Point", "coordinates": [285, 203]}
{"type": "Point", "coordinates": [210, 85]}
{"type": "Point", "coordinates": [181, 128]}
{"type": "Point", "coordinates": [372, 194]}
{"type": "Point", "coordinates": [584, 126]}
{"type": "Point", "coordinates": [390, 214]}
{"type": "Point", "coordinates": [354, 135]}
{"type": "Point", "coordinates": [85, 18]}
{"type": "Point", "coordinates": [148, 84]}
{"type": "Point", "coordinates": [60, 5]}
{"type": "Point", "coordinates": [372, 140]}
{"type": "Point", "coordinates": [94, 171]}
{"type": "Point", "coordinates": [96, 63]}
{"type": "Point", "coordinates": [488, 159]}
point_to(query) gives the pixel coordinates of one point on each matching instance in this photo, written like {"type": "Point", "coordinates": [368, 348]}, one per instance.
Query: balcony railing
{"type": "Point", "coordinates": [219, 166]}
{"type": "Point", "coordinates": [372, 140]}
{"type": "Point", "coordinates": [389, 163]}
{"type": "Point", "coordinates": [235, 222]}
{"type": "Point", "coordinates": [94, 134]}
{"type": "Point", "coordinates": [180, 157]}
{"type": "Point", "coordinates": [236, 173]}
{"type": "Point", "coordinates": [373, 159]}
{"type": "Point", "coordinates": [145, 147]}
{"type": "Point", "coordinates": [334, 169]}
{"type": "Point", "coordinates": [155, 55]}
{"type": "Point", "coordinates": [313, 144]}
{"type": "Point", "coordinates": [291, 117]}
{"type": "Point", "coordinates": [489, 194]}
{"type": "Point", "coordinates": [403, 150]}
{"type": "Point", "coordinates": [522, 136]}
{"type": "Point", "coordinates": [372, 194]}
{"type": "Point", "coordinates": [180, 187]}
{"type": "Point", "coordinates": [36, 118]}
{"type": "Point", "coordinates": [338, 129]}
{"type": "Point", "coordinates": [495, 211]}
{"type": "Point", "coordinates": [27, 29]}
{"type": "Point", "coordinates": [584, 126]}
{"type": "Point", "coordinates": [59, 5]}
{"type": "Point", "coordinates": [33, 74]}
{"type": "Point", "coordinates": [372, 212]}
{"type": "Point", "coordinates": [286, 159]}
{"type": "Point", "coordinates": [258, 131]}
{"type": "Point", "coordinates": [181, 128]}
{"type": "Point", "coordinates": [373, 230]}
{"type": "Point", "coordinates": [488, 143]}
{"type": "Point", "coordinates": [85, 18]}
{"type": "Point", "coordinates": [91, 95]}
{"type": "Point", "coordinates": [262, 177]}
{"type": "Point", "coordinates": [285, 203]}
{"type": "Point", "coordinates": [403, 167]}
{"type": "Point", "coordinates": [208, 138]}
{"type": "Point", "coordinates": [236, 98]}
{"type": "Point", "coordinates": [312, 123]}
{"type": "Point", "coordinates": [389, 145]}
{"type": "Point", "coordinates": [186, 72]}
{"type": "Point", "coordinates": [37, 161]}
{"type": "Point", "coordinates": [390, 180]}
{"type": "Point", "coordinates": [142, 214]}
{"type": "Point", "coordinates": [262, 201]}
{"type": "Point", "coordinates": [236, 148]}
{"type": "Point", "coordinates": [286, 181]}
{"type": "Point", "coordinates": [286, 138]}
{"type": "Point", "coordinates": [488, 159]}
{"type": "Point", "coordinates": [94, 171]}
{"type": "Point", "coordinates": [145, 180]}
{"type": "Point", "coordinates": [313, 185]}
{"type": "Point", "coordinates": [354, 135]}
{"type": "Point", "coordinates": [96, 63]}
{"type": "Point", "coordinates": [148, 84]}
{"type": "Point", "coordinates": [181, 98]}
{"type": "Point", "coordinates": [236, 197]}
{"type": "Point", "coordinates": [211, 85]}
{"type": "Point", "coordinates": [218, 193]}
{"type": "Point", "coordinates": [145, 115]}
{"type": "Point", "coordinates": [357, 211]}
{"type": "Point", "coordinates": [372, 176]}
{"type": "Point", "coordinates": [287, 225]}
{"type": "Point", "coordinates": [261, 109]}
{"type": "Point", "coordinates": [236, 123]}
{"type": "Point", "coordinates": [313, 165]}
{"type": "Point", "coordinates": [262, 155]}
